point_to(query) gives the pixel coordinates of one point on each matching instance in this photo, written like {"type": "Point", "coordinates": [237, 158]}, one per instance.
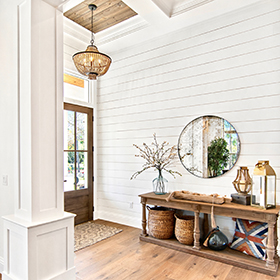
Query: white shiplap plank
{"type": "Point", "coordinates": [162, 110]}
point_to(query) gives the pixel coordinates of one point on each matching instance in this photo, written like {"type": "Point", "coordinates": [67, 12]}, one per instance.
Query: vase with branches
{"type": "Point", "coordinates": [159, 157]}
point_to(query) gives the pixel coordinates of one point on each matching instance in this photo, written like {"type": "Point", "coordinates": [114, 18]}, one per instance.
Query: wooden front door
{"type": "Point", "coordinates": [78, 162]}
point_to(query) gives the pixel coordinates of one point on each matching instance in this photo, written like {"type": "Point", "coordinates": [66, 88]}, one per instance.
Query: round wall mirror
{"type": "Point", "coordinates": [208, 146]}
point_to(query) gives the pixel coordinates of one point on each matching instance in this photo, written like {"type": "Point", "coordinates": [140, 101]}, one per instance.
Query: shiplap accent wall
{"type": "Point", "coordinates": [228, 66]}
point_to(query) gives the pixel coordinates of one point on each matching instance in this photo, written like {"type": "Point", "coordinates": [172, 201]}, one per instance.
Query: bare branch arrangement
{"type": "Point", "coordinates": [159, 156]}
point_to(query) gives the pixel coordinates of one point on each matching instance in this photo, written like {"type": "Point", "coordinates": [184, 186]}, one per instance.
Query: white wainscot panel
{"type": "Point", "coordinates": [53, 262]}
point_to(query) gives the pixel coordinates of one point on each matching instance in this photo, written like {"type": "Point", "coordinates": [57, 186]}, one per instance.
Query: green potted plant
{"type": "Point", "coordinates": [218, 156]}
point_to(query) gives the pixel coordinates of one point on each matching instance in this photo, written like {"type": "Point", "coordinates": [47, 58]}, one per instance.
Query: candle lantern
{"type": "Point", "coordinates": [264, 186]}
{"type": "Point", "coordinates": [242, 184]}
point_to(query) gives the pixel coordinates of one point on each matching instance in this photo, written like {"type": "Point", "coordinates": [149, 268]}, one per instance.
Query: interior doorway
{"type": "Point", "coordinates": [78, 161]}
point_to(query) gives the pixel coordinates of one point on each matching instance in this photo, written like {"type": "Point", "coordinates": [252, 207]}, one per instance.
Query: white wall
{"type": "Point", "coordinates": [8, 154]}
{"type": "Point", "coordinates": [75, 39]}
{"type": "Point", "coordinates": [227, 66]}
{"type": "Point", "coordinates": [8, 117]}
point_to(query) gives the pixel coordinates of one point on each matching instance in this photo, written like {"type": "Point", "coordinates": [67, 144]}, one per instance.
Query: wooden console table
{"type": "Point", "coordinates": [229, 256]}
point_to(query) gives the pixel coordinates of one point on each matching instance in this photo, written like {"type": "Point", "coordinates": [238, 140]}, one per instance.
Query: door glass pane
{"type": "Point", "coordinates": [69, 171]}
{"type": "Point", "coordinates": [82, 170]}
{"type": "Point", "coordinates": [69, 130]}
{"type": "Point", "coordinates": [81, 123]}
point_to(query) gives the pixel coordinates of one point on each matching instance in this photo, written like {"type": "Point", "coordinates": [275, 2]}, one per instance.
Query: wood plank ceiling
{"type": "Point", "coordinates": [107, 14]}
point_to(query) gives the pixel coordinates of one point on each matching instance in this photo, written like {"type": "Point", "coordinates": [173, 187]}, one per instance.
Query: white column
{"type": "Point", "coordinates": [39, 237]}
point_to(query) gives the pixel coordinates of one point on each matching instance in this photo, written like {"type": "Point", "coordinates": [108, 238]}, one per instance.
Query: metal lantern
{"type": "Point", "coordinates": [263, 193]}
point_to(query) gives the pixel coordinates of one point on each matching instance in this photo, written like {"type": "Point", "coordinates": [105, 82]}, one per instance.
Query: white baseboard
{"type": "Point", "coordinates": [118, 218]}
{"type": "Point", "coordinates": [70, 274]}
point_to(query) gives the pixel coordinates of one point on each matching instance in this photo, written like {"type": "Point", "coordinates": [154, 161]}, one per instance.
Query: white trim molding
{"type": "Point", "coordinates": [118, 218]}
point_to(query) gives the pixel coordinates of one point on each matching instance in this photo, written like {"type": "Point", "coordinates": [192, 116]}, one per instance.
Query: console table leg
{"type": "Point", "coordinates": [144, 221]}
{"type": "Point", "coordinates": [275, 240]}
{"type": "Point", "coordinates": [270, 248]}
{"type": "Point", "coordinates": [196, 233]}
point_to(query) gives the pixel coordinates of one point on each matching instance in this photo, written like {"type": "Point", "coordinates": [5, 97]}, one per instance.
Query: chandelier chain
{"type": "Point", "coordinates": [92, 40]}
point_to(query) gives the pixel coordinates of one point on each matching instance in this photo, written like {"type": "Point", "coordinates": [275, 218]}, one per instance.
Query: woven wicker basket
{"type": "Point", "coordinates": [184, 228]}
{"type": "Point", "coordinates": [161, 222]}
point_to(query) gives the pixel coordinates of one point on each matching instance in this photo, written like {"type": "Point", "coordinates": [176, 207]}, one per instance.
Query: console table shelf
{"type": "Point", "coordinates": [227, 256]}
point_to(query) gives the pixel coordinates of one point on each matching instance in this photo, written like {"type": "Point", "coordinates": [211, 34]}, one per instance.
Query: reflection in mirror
{"type": "Point", "coordinates": [208, 146]}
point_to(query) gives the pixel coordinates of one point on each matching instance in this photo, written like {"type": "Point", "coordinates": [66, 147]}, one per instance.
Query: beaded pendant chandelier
{"type": "Point", "coordinates": [91, 62]}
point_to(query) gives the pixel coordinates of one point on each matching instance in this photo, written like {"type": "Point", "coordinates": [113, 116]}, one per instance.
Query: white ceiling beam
{"type": "Point", "coordinates": [148, 10]}
{"type": "Point", "coordinates": [63, 5]}
{"type": "Point", "coordinates": [69, 4]}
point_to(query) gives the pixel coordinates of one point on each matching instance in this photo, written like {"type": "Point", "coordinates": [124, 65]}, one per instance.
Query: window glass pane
{"type": "Point", "coordinates": [81, 131]}
{"type": "Point", "coordinates": [69, 171]}
{"type": "Point", "coordinates": [69, 130]}
{"type": "Point", "coordinates": [82, 170]}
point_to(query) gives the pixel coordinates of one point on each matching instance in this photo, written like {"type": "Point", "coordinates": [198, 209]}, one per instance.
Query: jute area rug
{"type": "Point", "coordinates": [89, 233]}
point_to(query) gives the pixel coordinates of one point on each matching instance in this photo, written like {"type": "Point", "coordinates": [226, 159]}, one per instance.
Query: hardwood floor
{"type": "Point", "coordinates": [124, 257]}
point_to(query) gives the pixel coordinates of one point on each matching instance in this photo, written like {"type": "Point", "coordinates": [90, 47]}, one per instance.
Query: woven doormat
{"type": "Point", "coordinates": [89, 233]}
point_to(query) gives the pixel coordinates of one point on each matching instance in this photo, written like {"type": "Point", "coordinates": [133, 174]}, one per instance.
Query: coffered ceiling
{"type": "Point", "coordinates": [121, 24]}
{"type": "Point", "coordinates": [112, 12]}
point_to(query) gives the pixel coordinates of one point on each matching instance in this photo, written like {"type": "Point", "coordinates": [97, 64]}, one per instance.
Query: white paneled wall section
{"type": "Point", "coordinates": [228, 66]}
